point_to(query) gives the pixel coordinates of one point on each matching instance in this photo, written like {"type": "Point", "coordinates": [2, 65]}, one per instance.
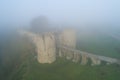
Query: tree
{"type": "Point", "coordinates": [39, 24]}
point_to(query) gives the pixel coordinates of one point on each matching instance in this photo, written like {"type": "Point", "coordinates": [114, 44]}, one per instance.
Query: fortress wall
{"type": "Point", "coordinates": [95, 61]}
{"type": "Point", "coordinates": [46, 48]}
{"type": "Point", "coordinates": [76, 57]}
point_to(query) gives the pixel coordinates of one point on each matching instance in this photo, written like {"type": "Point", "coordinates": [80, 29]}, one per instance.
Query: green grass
{"type": "Point", "coordinates": [99, 44]}
{"type": "Point", "coordinates": [66, 70]}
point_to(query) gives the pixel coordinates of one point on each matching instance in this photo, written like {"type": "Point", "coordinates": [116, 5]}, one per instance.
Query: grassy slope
{"type": "Point", "coordinates": [99, 44]}
{"type": "Point", "coordinates": [13, 51]}
{"type": "Point", "coordinates": [65, 70]}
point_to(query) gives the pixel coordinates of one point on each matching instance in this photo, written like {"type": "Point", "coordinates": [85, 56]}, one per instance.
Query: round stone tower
{"type": "Point", "coordinates": [67, 39]}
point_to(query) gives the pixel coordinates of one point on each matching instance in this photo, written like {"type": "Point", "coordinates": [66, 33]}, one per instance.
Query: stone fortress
{"type": "Point", "coordinates": [50, 45]}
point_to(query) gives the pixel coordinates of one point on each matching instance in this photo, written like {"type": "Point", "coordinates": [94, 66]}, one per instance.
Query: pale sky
{"type": "Point", "coordinates": [75, 11]}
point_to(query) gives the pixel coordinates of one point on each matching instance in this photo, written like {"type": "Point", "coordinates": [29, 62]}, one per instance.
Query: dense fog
{"type": "Point", "coordinates": [97, 31]}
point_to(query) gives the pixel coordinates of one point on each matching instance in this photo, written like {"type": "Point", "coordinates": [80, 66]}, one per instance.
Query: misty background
{"type": "Point", "coordinates": [72, 12]}
{"type": "Point", "coordinates": [93, 15]}
{"type": "Point", "coordinates": [98, 31]}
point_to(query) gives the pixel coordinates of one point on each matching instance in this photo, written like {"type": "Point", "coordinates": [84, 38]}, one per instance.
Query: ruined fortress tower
{"type": "Point", "coordinates": [47, 43]}
{"type": "Point", "coordinates": [45, 46]}
{"type": "Point", "coordinates": [67, 38]}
